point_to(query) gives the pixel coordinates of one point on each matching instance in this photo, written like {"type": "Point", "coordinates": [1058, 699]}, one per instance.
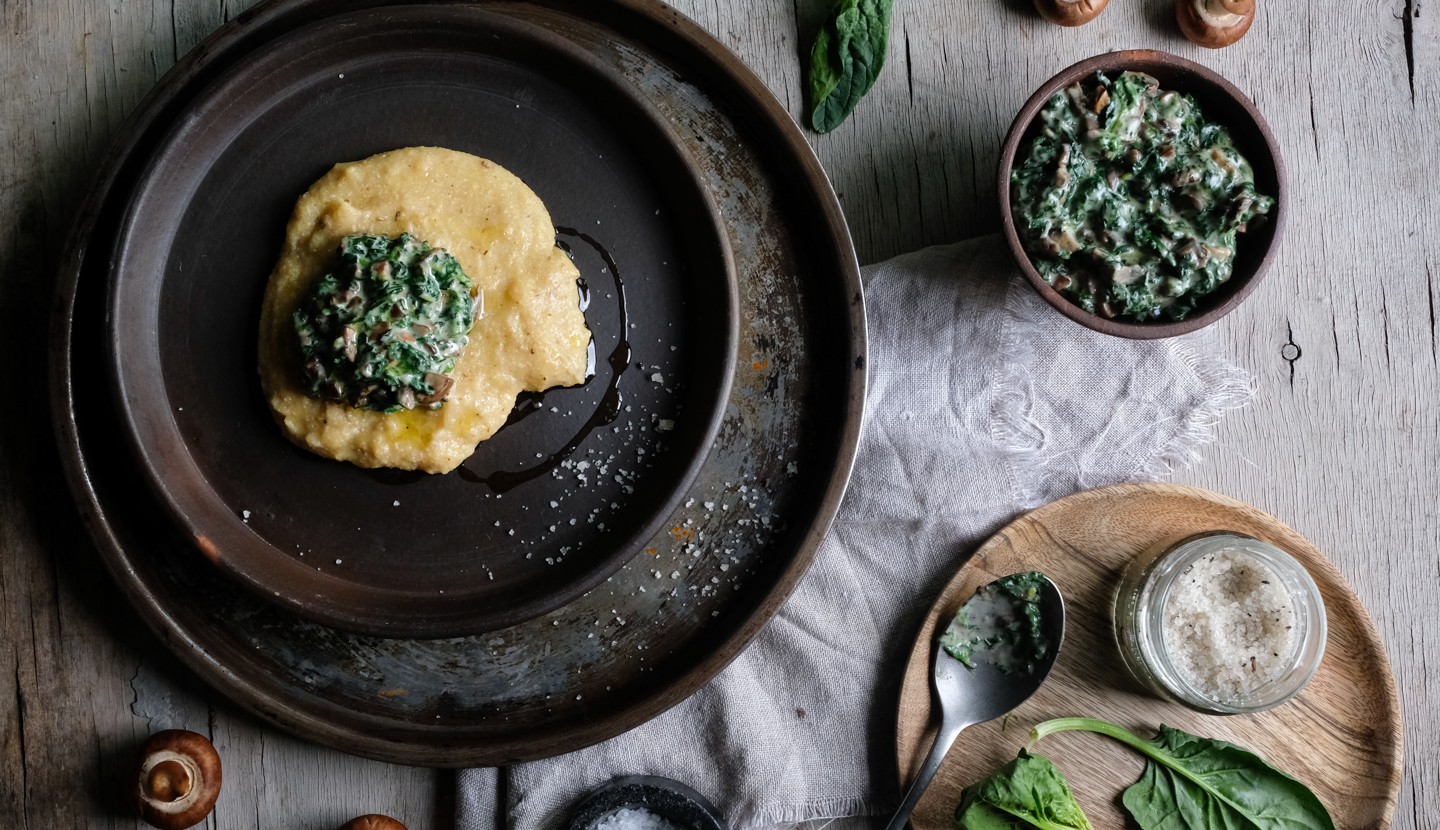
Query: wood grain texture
{"type": "Point", "coordinates": [82, 682]}
{"type": "Point", "coordinates": [1340, 735]}
{"type": "Point", "coordinates": [1342, 441]}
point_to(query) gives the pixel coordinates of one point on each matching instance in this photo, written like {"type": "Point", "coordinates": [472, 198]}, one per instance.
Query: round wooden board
{"type": "Point", "coordinates": [1341, 735]}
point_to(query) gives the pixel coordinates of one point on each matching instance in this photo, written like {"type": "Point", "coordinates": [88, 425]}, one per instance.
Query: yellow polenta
{"type": "Point", "coordinates": [529, 335]}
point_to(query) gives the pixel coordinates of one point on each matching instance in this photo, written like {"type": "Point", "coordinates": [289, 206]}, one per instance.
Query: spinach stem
{"type": "Point", "coordinates": [1105, 728]}
{"type": "Point", "coordinates": [1144, 747]}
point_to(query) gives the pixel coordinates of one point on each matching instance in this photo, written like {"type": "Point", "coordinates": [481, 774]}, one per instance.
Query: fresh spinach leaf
{"type": "Point", "coordinates": [1194, 783]}
{"type": "Point", "coordinates": [1027, 792]}
{"type": "Point", "coordinates": [846, 59]}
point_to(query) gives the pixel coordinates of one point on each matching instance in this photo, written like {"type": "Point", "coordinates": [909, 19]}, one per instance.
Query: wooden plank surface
{"type": "Point", "coordinates": [1342, 441]}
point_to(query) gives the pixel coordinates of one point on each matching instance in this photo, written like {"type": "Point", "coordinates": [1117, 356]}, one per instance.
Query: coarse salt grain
{"type": "Point", "coordinates": [634, 818]}
{"type": "Point", "coordinates": [1229, 625]}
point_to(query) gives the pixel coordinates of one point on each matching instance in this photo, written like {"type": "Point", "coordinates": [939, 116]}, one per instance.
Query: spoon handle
{"type": "Point", "coordinates": [949, 730]}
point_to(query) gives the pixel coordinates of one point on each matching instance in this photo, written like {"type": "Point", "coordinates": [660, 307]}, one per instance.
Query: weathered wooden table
{"type": "Point", "coordinates": [1342, 441]}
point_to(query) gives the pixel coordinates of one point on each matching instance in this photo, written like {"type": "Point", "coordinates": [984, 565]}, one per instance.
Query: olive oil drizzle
{"type": "Point", "coordinates": [606, 411]}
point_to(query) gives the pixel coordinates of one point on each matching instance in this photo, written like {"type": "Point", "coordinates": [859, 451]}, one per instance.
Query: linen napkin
{"type": "Point", "coordinates": [983, 402]}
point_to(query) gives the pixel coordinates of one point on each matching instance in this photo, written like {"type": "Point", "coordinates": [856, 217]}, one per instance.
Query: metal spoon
{"type": "Point", "coordinates": [970, 696]}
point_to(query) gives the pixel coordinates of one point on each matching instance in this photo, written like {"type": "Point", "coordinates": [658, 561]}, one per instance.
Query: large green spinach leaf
{"type": "Point", "coordinates": [1194, 783]}
{"type": "Point", "coordinates": [846, 59]}
{"type": "Point", "coordinates": [1027, 792]}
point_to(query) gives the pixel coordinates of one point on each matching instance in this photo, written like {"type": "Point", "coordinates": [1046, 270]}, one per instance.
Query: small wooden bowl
{"type": "Point", "coordinates": [1220, 101]}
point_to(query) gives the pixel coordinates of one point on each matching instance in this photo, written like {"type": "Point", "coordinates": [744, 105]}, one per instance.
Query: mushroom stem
{"type": "Point", "coordinates": [169, 781]}
{"type": "Point", "coordinates": [1070, 12]}
{"type": "Point", "coordinates": [1214, 23]}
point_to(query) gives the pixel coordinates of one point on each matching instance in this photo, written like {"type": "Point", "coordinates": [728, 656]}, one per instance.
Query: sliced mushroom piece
{"type": "Point", "coordinates": [1192, 200]}
{"type": "Point", "coordinates": [1070, 12]}
{"type": "Point", "coordinates": [1127, 274]}
{"type": "Point", "coordinates": [1102, 99]}
{"type": "Point", "coordinates": [440, 383]}
{"type": "Point", "coordinates": [1068, 243]}
{"type": "Point", "coordinates": [1185, 178]}
{"type": "Point", "coordinates": [352, 346]}
{"type": "Point", "coordinates": [1214, 23]}
{"type": "Point", "coordinates": [1220, 158]}
{"type": "Point", "coordinates": [1062, 167]}
{"type": "Point", "coordinates": [178, 781]}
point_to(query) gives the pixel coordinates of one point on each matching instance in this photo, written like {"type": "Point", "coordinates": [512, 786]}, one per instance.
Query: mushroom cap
{"type": "Point", "coordinates": [178, 780]}
{"type": "Point", "coordinates": [1212, 24]}
{"type": "Point", "coordinates": [1070, 12]}
{"type": "Point", "coordinates": [373, 821]}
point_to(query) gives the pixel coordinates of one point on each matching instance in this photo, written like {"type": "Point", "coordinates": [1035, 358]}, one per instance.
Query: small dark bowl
{"type": "Point", "coordinates": [664, 797]}
{"type": "Point", "coordinates": [1220, 101]}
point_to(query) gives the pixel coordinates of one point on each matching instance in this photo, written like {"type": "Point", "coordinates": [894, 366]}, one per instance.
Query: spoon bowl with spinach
{"type": "Point", "coordinates": [1141, 194]}
{"type": "Point", "coordinates": [993, 656]}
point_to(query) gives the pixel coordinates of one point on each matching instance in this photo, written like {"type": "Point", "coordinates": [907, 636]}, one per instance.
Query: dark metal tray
{"type": "Point", "coordinates": [667, 621]}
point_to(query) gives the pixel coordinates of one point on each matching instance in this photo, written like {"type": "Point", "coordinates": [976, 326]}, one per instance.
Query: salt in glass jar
{"type": "Point", "coordinates": [1220, 622]}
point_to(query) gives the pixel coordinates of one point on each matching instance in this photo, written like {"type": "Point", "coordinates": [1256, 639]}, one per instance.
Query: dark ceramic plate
{"type": "Point", "coordinates": [578, 480]}
{"type": "Point", "coordinates": [668, 620]}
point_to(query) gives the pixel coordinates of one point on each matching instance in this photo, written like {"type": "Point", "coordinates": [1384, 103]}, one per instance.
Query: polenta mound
{"type": "Point", "coordinates": [530, 334]}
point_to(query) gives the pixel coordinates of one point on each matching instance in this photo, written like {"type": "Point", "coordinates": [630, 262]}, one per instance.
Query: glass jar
{"type": "Point", "coordinates": [1154, 644]}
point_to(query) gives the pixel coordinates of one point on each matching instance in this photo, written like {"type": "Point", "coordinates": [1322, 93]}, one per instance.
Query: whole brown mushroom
{"type": "Point", "coordinates": [179, 779]}
{"type": "Point", "coordinates": [373, 821]}
{"type": "Point", "coordinates": [1214, 23]}
{"type": "Point", "coordinates": [1070, 12]}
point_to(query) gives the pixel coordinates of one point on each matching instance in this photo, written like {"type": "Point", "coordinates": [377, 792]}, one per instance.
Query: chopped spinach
{"type": "Point", "coordinates": [1002, 621]}
{"type": "Point", "coordinates": [1194, 783]}
{"type": "Point", "coordinates": [1027, 792]}
{"type": "Point", "coordinates": [1130, 202]}
{"type": "Point", "coordinates": [847, 57]}
{"type": "Point", "coordinates": [383, 330]}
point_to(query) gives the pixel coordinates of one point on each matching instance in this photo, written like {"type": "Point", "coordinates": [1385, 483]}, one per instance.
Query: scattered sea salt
{"type": "Point", "coordinates": [634, 818]}
{"type": "Point", "coordinates": [1229, 625]}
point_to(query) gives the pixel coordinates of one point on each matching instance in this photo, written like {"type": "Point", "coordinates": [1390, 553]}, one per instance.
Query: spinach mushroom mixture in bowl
{"type": "Point", "coordinates": [1130, 205]}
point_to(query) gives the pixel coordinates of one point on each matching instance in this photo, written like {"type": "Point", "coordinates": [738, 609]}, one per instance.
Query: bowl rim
{"type": "Point", "coordinates": [1143, 60]}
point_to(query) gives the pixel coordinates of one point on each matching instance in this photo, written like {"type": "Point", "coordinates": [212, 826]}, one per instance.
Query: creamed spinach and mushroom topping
{"type": "Point", "coordinates": [1001, 625]}
{"type": "Point", "coordinates": [1130, 202]}
{"type": "Point", "coordinates": [384, 329]}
